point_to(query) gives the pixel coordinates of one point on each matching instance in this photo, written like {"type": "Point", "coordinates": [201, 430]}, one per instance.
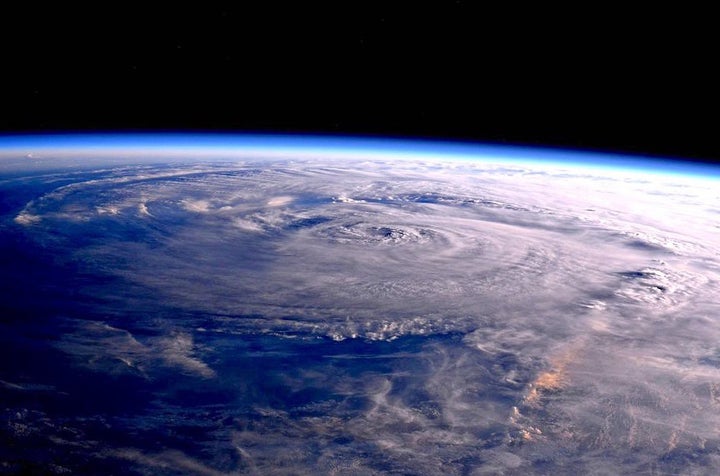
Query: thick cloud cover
{"type": "Point", "coordinates": [361, 318]}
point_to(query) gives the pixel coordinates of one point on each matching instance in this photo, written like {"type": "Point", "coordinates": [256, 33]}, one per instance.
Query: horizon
{"type": "Point", "coordinates": [32, 146]}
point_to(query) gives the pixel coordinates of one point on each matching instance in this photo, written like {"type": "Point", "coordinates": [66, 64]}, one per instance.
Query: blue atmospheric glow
{"type": "Point", "coordinates": [357, 145]}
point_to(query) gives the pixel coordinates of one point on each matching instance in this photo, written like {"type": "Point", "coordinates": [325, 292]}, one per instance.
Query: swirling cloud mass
{"type": "Point", "coordinates": [360, 317]}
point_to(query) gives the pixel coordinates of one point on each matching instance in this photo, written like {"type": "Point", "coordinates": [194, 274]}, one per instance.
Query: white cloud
{"type": "Point", "coordinates": [26, 219]}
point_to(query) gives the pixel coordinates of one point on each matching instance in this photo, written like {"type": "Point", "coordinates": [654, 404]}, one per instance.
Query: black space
{"type": "Point", "coordinates": [638, 81]}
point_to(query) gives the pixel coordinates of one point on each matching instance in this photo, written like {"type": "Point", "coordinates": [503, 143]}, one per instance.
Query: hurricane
{"type": "Point", "coordinates": [356, 311]}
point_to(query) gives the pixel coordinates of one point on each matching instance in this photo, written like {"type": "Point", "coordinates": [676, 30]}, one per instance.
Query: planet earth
{"type": "Point", "coordinates": [190, 304]}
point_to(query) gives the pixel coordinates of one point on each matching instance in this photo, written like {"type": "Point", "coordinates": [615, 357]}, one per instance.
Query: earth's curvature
{"type": "Point", "coordinates": [278, 306]}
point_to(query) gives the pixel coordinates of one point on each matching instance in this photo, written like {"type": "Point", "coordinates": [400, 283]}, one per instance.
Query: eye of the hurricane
{"type": "Point", "coordinates": [365, 233]}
